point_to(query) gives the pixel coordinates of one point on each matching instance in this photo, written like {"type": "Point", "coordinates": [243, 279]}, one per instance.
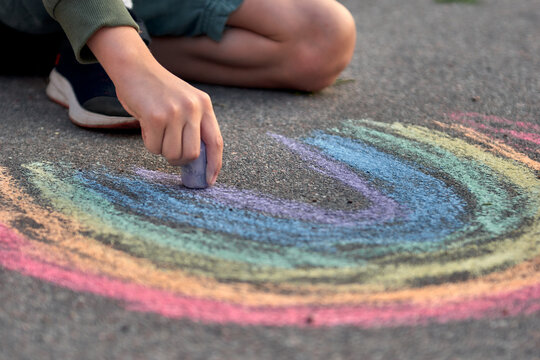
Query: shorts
{"type": "Point", "coordinates": [185, 17]}
{"type": "Point", "coordinates": [162, 17]}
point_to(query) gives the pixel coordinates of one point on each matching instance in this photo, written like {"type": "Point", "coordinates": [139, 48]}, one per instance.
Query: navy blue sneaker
{"type": "Point", "coordinates": [88, 92]}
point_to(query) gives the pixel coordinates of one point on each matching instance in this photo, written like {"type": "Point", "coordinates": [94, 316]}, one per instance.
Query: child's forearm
{"type": "Point", "coordinates": [121, 51]}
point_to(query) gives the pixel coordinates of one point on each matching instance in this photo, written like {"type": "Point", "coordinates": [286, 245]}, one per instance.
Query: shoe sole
{"type": "Point", "coordinates": [61, 92]}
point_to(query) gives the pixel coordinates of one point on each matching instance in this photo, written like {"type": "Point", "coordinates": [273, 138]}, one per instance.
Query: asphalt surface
{"type": "Point", "coordinates": [414, 62]}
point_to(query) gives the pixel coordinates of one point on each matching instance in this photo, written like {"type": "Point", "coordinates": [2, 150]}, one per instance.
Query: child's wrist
{"type": "Point", "coordinates": [120, 50]}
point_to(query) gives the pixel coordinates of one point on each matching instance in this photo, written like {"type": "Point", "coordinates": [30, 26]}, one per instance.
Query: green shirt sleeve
{"type": "Point", "coordinates": [80, 19]}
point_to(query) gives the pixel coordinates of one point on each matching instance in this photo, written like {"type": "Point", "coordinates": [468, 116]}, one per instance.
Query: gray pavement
{"type": "Point", "coordinates": [415, 61]}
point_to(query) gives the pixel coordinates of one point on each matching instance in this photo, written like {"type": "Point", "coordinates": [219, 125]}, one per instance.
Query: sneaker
{"type": "Point", "coordinates": [88, 92]}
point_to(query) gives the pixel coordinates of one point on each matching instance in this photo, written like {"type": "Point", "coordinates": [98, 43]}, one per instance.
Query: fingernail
{"type": "Point", "coordinates": [211, 180]}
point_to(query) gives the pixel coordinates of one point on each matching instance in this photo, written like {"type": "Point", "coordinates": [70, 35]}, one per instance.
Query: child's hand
{"type": "Point", "coordinates": [174, 116]}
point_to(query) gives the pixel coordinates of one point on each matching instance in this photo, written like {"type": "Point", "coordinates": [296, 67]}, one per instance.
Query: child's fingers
{"type": "Point", "coordinates": [214, 146]}
{"type": "Point", "coordinates": [191, 144]}
{"type": "Point", "coordinates": [172, 149]}
{"type": "Point", "coordinates": [152, 134]}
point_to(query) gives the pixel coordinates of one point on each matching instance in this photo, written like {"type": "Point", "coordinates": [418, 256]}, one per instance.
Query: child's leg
{"type": "Point", "coordinates": [299, 44]}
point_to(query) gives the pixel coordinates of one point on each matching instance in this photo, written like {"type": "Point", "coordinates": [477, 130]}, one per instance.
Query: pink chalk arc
{"type": "Point", "coordinates": [146, 299]}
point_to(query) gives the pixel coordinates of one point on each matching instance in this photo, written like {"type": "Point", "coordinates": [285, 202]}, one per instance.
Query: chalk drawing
{"type": "Point", "coordinates": [525, 138]}
{"type": "Point", "coordinates": [451, 231]}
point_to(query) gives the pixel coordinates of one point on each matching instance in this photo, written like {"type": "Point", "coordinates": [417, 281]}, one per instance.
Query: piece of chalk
{"type": "Point", "coordinates": [194, 173]}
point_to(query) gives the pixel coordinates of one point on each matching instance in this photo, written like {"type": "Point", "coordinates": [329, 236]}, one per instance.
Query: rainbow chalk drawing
{"type": "Point", "coordinates": [450, 232]}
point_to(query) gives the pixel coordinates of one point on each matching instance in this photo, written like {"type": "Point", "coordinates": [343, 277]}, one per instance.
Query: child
{"type": "Point", "coordinates": [296, 44]}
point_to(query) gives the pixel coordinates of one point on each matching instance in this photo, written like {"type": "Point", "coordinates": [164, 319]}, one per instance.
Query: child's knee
{"type": "Point", "coordinates": [325, 45]}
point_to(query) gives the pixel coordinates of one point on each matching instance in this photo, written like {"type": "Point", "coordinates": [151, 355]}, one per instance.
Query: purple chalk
{"type": "Point", "coordinates": [194, 173]}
